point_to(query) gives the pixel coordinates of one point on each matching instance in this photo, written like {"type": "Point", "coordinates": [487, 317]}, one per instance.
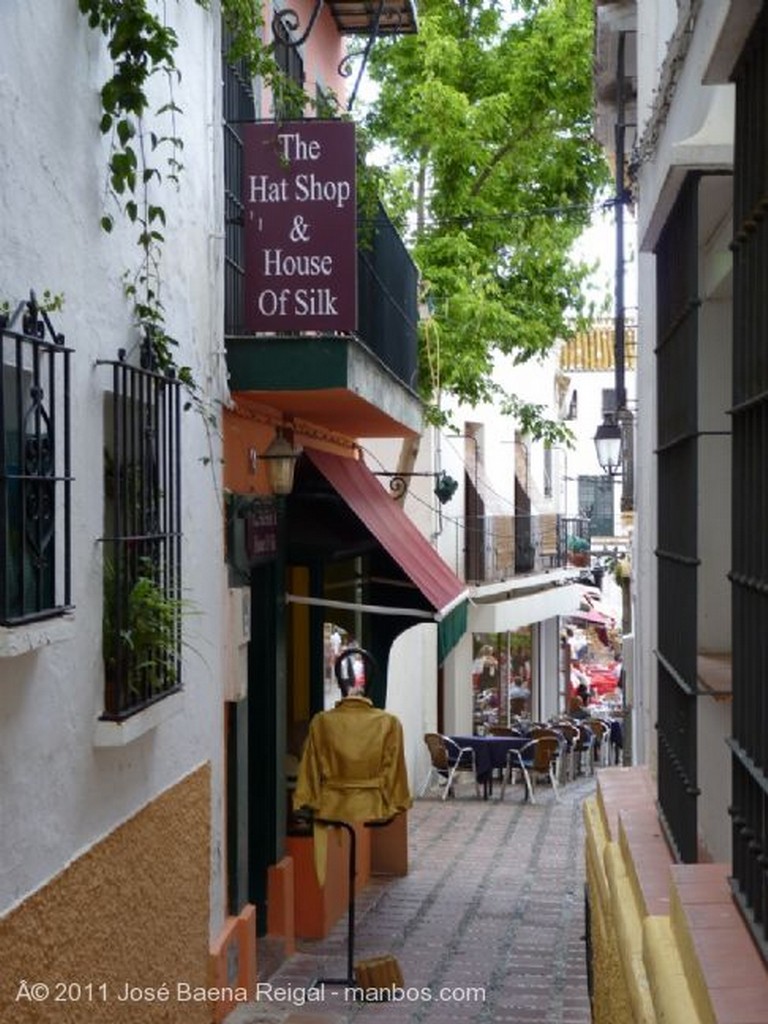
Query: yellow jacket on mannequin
{"type": "Point", "coordinates": [353, 765]}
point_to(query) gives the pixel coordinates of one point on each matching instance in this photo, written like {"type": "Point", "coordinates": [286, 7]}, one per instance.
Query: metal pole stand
{"type": "Point", "coordinates": [350, 978]}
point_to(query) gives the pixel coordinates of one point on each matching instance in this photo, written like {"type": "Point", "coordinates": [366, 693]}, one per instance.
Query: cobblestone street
{"type": "Point", "coordinates": [487, 926]}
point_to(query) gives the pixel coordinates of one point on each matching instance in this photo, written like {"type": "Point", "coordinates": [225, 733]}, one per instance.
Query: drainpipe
{"type": "Point", "coordinates": [618, 338]}
{"type": "Point", "coordinates": [623, 415]}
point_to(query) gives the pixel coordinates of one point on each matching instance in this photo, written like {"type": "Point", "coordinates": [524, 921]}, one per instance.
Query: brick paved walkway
{"type": "Point", "coordinates": [494, 901]}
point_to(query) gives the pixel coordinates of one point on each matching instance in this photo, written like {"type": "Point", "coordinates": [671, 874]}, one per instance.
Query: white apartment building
{"type": "Point", "coordinates": [112, 823]}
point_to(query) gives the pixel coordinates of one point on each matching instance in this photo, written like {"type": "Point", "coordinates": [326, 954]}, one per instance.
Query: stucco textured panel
{"type": "Point", "coordinates": [628, 924]}
{"type": "Point", "coordinates": [132, 910]}
{"type": "Point", "coordinates": [610, 1000]}
{"type": "Point", "coordinates": [621, 987]}
{"type": "Point", "coordinates": [672, 998]}
{"type": "Point", "coordinates": [610, 997]}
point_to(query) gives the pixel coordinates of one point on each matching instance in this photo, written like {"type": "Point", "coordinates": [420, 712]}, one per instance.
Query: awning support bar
{"type": "Point", "coordinates": [371, 609]}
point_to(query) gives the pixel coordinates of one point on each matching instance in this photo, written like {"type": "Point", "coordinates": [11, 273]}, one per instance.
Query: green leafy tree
{"type": "Point", "coordinates": [490, 114]}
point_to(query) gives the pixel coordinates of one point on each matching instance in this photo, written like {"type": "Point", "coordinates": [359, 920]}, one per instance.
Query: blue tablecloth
{"type": "Point", "coordinates": [490, 751]}
{"type": "Point", "coordinates": [617, 732]}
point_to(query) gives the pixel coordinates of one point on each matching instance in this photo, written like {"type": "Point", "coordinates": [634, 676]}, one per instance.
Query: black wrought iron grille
{"type": "Point", "coordinates": [238, 102]}
{"type": "Point", "coordinates": [288, 104]}
{"type": "Point", "coordinates": [574, 540]}
{"type": "Point", "coordinates": [35, 468]}
{"type": "Point", "coordinates": [523, 543]}
{"type": "Point", "coordinates": [596, 504]}
{"type": "Point", "coordinates": [387, 287]}
{"type": "Point", "coordinates": [749, 575]}
{"type": "Point", "coordinates": [677, 465]}
{"type": "Point", "coordinates": [143, 604]}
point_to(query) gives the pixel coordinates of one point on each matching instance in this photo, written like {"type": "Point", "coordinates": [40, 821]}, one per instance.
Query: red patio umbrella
{"type": "Point", "coordinates": [593, 616]}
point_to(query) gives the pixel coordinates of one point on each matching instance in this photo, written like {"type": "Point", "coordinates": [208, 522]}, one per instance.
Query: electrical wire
{"type": "Point", "coordinates": [459, 521]}
{"type": "Point", "coordinates": [544, 211]}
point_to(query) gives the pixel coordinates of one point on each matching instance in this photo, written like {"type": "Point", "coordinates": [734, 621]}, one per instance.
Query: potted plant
{"type": "Point", "coordinates": [141, 631]}
{"type": "Point", "coordinates": [578, 551]}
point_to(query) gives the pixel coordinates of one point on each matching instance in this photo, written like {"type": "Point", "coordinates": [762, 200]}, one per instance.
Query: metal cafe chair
{"type": "Point", "coordinates": [572, 753]}
{"type": "Point", "coordinates": [589, 746]}
{"type": "Point", "coordinates": [602, 741]}
{"type": "Point", "coordinates": [537, 760]}
{"type": "Point", "coordinates": [450, 765]}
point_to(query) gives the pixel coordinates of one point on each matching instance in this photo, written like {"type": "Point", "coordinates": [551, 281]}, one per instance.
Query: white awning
{"type": "Point", "coordinates": [512, 613]}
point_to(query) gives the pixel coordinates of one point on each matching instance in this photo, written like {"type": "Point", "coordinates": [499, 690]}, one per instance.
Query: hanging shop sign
{"type": "Point", "coordinates": [261, 531]}
{"type": "Point", "coordinates": [300, 226]}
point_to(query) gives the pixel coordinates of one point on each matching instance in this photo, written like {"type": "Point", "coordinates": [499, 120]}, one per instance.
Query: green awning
{"type": "Point", "coordinates": [450, 630]}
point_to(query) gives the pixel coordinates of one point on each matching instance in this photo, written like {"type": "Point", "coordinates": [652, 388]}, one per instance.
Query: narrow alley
{"type": "Point", "coordinates": [488, 925]}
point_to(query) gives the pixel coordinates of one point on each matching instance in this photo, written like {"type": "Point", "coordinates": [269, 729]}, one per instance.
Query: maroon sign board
{"type": "Point", "coordinates": [300, 226]}
{"type": "Point", "coordinates": [261, 531]}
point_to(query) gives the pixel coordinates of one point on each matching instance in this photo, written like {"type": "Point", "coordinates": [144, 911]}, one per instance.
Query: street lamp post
{"type": "Point", "coordinates": [609, 438]}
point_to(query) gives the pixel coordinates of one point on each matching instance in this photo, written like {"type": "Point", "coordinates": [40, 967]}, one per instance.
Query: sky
{"type": "Point", "coordinates": [598, 245]}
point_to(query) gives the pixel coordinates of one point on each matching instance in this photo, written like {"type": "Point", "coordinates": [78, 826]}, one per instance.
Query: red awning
{"type": "Point", "coordinates": [392, 528]}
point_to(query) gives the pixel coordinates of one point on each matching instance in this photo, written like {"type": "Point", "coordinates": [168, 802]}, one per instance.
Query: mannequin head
{"type": "Point", "coordinates": [352, 669]}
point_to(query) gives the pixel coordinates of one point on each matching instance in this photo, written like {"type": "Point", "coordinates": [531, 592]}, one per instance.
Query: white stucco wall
{"type": "Point", "coordinates": [551, 698]}
{"type": "Point", "coordinates": [450, 450]}
{"type": "Point", "coordinates": [713, 724]}
{"type": "Point", "coordinates": [61, 793]}
{"type": "Point", "coordinates": [457, 688]}
{"type": "Point", "coordinates": [412, 694]}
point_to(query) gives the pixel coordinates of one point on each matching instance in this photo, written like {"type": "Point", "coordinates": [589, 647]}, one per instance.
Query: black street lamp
{"type": "Point", "coordinates": [281, 458]}
{"type": "Point", "coordinates": [608, 444]}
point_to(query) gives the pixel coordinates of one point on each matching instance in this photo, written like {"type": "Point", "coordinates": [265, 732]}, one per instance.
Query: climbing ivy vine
{"type": "Point", "coordinates": [146, 150]}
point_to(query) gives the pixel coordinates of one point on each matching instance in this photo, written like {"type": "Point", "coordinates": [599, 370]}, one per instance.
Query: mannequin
{"type": "Point", "coordinates": [353, 765]}
{"type": "Point", "coordinates": [352, 771]}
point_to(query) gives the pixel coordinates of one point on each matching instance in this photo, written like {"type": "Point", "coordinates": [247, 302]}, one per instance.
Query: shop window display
{"type": "Point", "coordinates": [501, 678]}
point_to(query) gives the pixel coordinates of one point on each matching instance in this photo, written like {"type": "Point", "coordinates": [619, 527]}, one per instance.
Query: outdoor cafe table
{"type": "Point", "coordinates": [490, 755]}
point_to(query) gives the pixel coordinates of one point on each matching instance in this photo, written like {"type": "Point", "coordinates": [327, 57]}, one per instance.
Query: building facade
{"type": "Point", "coordinates": [112, 585]}
{"type": "Point", "coordinates": [684, 77]}
{"type": "Point", "coordinates": [321, 349]}
{"type": "Point", "coordinates": [506, 526]}
{"type": "Point", "coordinates": [164, 602]}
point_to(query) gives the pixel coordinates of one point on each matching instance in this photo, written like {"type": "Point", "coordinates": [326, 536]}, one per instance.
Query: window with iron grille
{"type": "Point", "coordinates": [142, 619]}
{"type": "Point", "coordinates": [35, 470]}
{"type": "Point", "coordinates": [239, 106]}
{"type": "Point", "coordinates": [749, 413]}
{"type": "Point", "coordinates": [547, 471]}
{"type": "Point", "coordinates": [573, 407]}
{"type": "Point", "coordinates": [288, 103]}
{"type": "Point", "coordinates": [596, 504]}
{"type": "Point", "coordinates": [677, 518]}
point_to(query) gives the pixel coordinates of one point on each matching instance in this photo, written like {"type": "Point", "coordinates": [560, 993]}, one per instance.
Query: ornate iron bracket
{"type": "Point", "coordinates": [284, 23]}
{"type": "Point", "coordinates": [445, 486]}
{"type": "Point", "coordinates": [345, 66]}
{"type": "Point", "coordinates": [34, 320]}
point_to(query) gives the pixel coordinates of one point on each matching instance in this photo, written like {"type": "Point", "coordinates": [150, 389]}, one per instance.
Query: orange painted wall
{"type": "Point", "coordinates": [244, 435]}
{"type": "Point", "coordinates": [319, 908]}
{"type": "Point", "coordinates": [133, 910]}
{"type": "Point", "coordinates": [233, 964]}
{"type": "Point", "coordinates": [241, 437]}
